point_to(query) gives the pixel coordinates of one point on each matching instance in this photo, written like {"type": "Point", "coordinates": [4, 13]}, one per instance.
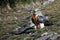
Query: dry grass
{"type": "Point", "coordinates": [8, 22]}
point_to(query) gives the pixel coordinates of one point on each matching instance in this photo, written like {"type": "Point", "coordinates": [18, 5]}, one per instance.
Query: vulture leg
{"type": "Point", "coordinates": [36, 27]}
{"type": "Point", "coordinates": [42, 25]}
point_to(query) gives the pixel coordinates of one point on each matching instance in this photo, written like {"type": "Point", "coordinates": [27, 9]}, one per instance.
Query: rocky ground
{"type": "Point", "coordinates": [10, 20]}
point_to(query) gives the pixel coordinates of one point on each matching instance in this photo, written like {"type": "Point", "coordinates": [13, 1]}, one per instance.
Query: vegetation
{"type": "Point", "coordinates": [12, 3]}
{"type": "Point", "coordinates": [10, 19]}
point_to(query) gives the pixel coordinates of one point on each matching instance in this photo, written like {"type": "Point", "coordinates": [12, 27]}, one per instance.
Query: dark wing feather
{"type": "Point", "coordinates": [33, 20]}
{"type": "Point", "coordinates": [42, 19]}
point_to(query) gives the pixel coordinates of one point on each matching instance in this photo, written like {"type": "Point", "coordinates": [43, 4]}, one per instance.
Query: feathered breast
{"type": "Point", "coordinates": [34, 19]}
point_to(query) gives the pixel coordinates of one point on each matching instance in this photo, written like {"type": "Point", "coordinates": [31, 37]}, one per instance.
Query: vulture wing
{"type": "Point", "coordinates": [42, 19]}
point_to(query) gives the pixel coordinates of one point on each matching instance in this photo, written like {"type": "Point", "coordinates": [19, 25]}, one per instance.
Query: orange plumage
{"type": "Point", "coordinates": [35, 20]}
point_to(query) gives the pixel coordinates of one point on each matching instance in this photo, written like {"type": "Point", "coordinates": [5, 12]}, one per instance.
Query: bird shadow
{"type": "Point", "coordinates": [48, 23]}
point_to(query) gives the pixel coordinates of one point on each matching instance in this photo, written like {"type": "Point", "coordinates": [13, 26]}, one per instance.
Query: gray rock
{"type": "Point", "coordinates": [48, 2]}
{"type": "Point", "coordinates": [48, 36]}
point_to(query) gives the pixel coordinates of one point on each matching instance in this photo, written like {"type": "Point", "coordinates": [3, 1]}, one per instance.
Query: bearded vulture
{"type": "Point", "coordinates": [39, 20]}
